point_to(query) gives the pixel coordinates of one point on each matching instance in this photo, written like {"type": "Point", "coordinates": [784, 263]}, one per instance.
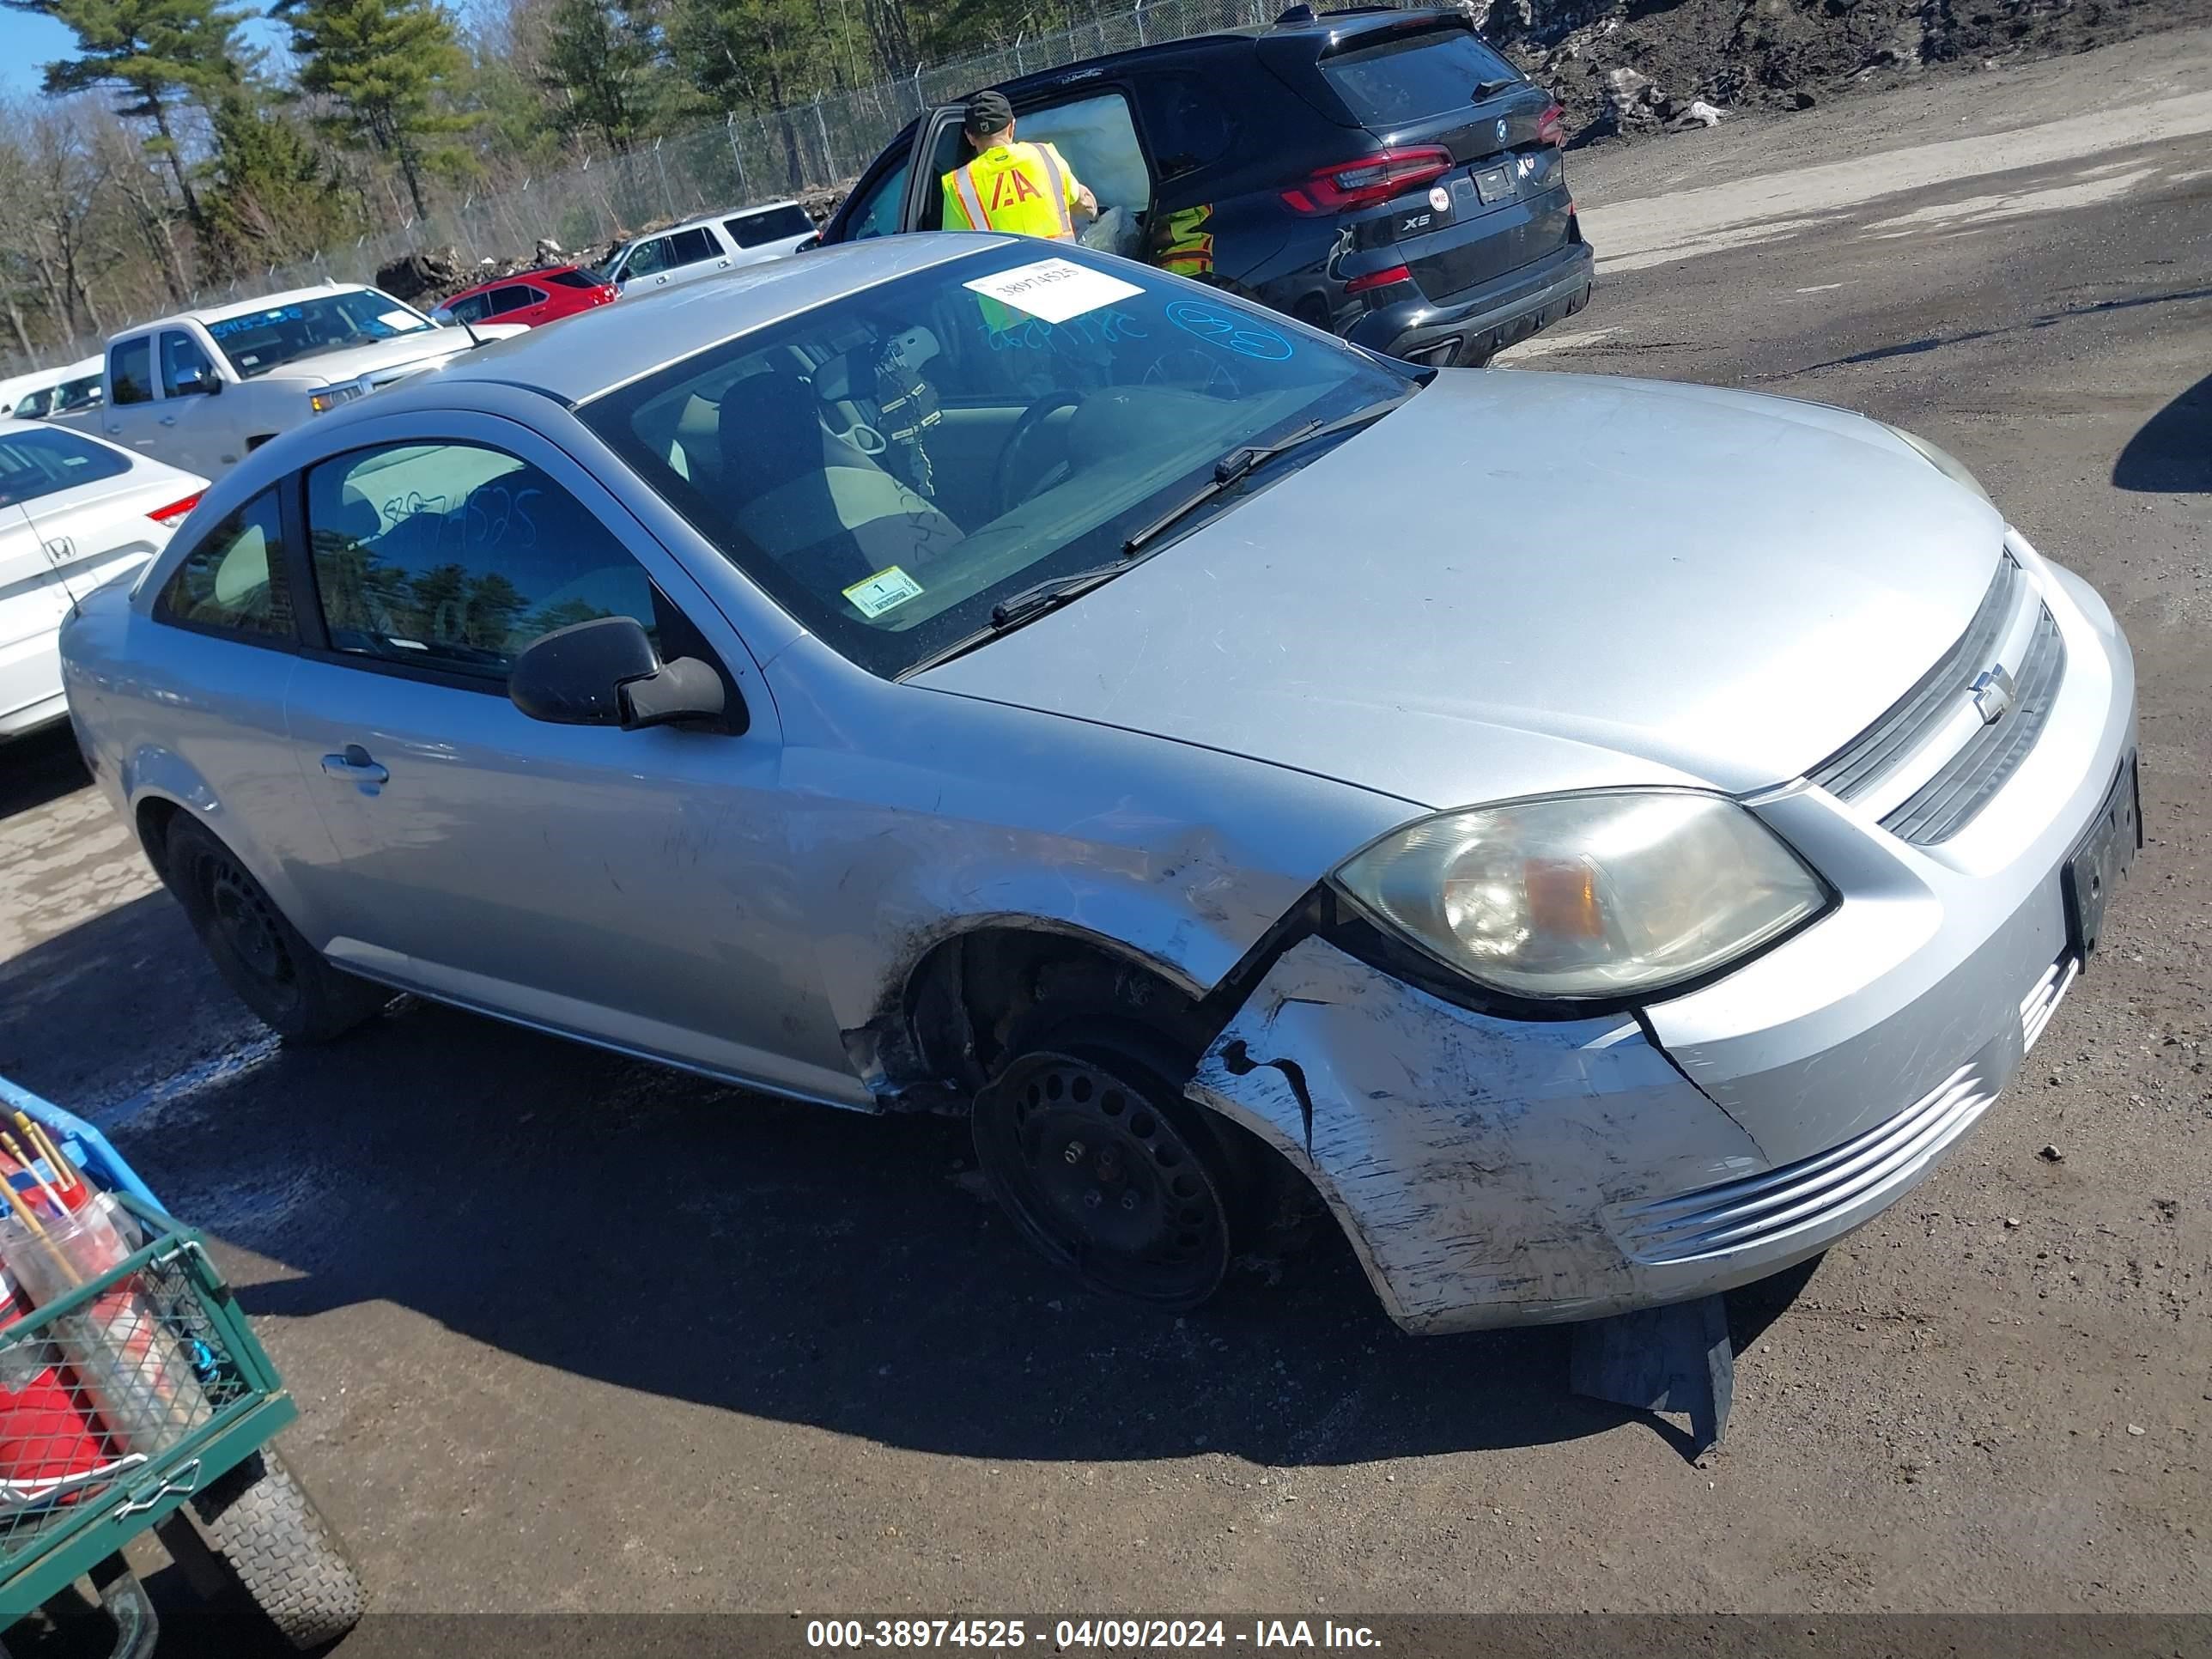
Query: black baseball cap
{"type": "Point", "coordinates": [988, 112]}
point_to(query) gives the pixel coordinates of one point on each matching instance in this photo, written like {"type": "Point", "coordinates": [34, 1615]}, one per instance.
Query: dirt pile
{"type": "Point", "coordinates": [1624, 68]}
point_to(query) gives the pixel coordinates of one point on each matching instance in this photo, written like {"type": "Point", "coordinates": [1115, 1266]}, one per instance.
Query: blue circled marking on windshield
{"type": "Point", "coordinates": [1230, 329]}
{"type": "Point", "coordinates": [230, 325]}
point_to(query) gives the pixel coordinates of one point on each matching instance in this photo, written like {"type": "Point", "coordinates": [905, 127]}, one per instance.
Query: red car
{"type": "Point", "coordinates": [529, 297]}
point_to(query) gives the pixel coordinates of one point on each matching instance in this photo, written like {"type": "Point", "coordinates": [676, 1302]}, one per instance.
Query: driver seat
{"type": "Point", "coordinates": [812, 500]}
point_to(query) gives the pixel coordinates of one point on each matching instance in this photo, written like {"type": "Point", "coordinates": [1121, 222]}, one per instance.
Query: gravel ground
{"type": "Point", "coordinates": [814, 1370]}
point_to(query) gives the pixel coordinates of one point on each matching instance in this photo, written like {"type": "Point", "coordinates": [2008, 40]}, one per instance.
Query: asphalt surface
{"type": "Point", "coordinates": [568, 1331]}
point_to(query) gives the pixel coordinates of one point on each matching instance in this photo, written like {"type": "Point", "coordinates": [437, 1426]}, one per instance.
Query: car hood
{"type": "Point", "coordinates": [1523, 581]}
{"type": "Point", "coordinates": [335, 368]}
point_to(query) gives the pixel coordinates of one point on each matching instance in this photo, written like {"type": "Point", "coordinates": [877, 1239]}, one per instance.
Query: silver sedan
{"type": "Point", "coordinates": [1606, 839]}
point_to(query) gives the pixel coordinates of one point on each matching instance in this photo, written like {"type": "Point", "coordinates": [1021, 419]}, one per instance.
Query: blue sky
{"type": "Point", "coordinates": [29, 43]}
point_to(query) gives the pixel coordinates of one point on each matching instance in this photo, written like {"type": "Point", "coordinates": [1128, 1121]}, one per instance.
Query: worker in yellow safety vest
{"type": "Point", "coordinates": [1026, 189]}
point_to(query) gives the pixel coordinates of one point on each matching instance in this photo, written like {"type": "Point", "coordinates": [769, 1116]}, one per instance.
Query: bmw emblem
{"type": "Point", "coordinates": [1501, 128]}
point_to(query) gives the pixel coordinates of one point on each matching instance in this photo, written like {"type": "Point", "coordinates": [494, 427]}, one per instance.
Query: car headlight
{"type": "Point", "coordinates": [1942, 460]}
{"type": "Point", "coordinates": [1586, 897]}
{"type": "Point", "coordinates": [331, 397]}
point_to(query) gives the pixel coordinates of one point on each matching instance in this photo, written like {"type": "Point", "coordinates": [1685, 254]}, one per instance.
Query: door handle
{"type": "Point", "coordinates": [168, 420]}
{"type": "Point", "coordinates": [355, 766]}
{"type": "Point", "coordinates": [115, 428]}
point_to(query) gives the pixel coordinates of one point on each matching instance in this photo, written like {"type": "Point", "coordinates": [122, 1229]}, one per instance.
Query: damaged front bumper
{"type": "Point", "coordinates": [1493, 1171]}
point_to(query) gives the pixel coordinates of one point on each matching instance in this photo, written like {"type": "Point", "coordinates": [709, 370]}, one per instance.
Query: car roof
{"type": "Point", "coordinates": [715, 218]}
{"type": "Point", "coordinates": [596, 350]}
{"type": "Point", "coordinates": [1321, 29]}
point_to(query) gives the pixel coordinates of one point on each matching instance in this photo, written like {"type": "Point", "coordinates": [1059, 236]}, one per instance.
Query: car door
{"type": "Point", "coordinates": [696, 252]}
{"type": "Point", "coordinates": [626, 886]}
{"type": "Point", "coordinates": [193, 433]}
{"type": "Point", "coordinates": [518, 302]}
{"type": "Point", "coordinates": [130, 416]}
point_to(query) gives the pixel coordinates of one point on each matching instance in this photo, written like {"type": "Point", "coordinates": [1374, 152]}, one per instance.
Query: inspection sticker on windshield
{"type": "Point", "coordinates": [888, 589]}
{"type": "Point", "coordinates": [1054, 290]}
{"type": "Point", "coordinates": [397, 319]}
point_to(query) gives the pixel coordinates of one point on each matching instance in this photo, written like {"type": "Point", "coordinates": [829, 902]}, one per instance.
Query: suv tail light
{"type": "Point", "coordinates": [171, 516]}
{"type": "Point", "coordinates": [1552, 127]}
{"type": "Point", "coordinates": [1366, 180]}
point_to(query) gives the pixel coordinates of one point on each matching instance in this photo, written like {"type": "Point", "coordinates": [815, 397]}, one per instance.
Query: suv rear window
{"type": "Point", "coordinates": [1412, 76]}
{"type": "Point", "coordinates": [773, 225]}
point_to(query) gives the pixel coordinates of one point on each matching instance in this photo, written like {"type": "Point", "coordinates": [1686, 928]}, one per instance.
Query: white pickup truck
{"type": "Point", "coordinates": [200, 389]}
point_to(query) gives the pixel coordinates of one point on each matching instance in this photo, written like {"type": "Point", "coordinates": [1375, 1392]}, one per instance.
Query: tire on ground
{"type": "Point", "coordinates": [263, 1527]}
{"type": "Point", "coordinates": [304, 1000]}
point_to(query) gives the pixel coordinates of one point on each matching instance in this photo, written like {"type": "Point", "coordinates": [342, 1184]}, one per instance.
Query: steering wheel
{"type": "Point", "coordinates": [1004, 477]}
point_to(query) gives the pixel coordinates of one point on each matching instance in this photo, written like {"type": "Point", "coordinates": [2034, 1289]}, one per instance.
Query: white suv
{"type": "Point", "coordinates": [719, 241]}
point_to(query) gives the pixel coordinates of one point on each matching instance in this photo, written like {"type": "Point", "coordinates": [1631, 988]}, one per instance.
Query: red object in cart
{"type": "Point", "coordinates": [47, 1431]}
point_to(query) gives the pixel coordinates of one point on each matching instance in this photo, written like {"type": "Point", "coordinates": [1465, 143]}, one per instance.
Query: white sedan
{"type": "Point", "coordinates": [75, 513]}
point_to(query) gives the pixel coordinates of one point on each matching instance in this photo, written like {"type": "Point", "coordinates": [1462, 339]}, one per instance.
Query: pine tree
{"type": "Point", "coordinates": [387, 67]}
{"type": "Point", "coordinates": [274, 197]}
{"type": "Point", "coordinates": [159, 54]}
{"type": "Point", "coordinates": [604, 58]}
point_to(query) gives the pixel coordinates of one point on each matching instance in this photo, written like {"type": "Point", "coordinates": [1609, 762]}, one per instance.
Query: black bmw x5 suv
{"type": "Point", "coordinates": [1380, 173]}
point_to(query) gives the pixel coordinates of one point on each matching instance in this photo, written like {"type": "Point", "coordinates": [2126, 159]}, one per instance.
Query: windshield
{"type": "Point", "coordinates": [258, 340]}
{"type": "Point", "coordinates": [891, 466]}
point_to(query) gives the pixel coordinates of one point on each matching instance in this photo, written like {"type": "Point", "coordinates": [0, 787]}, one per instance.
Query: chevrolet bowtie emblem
{"type": "Point", "coordinates": [1993, 693]}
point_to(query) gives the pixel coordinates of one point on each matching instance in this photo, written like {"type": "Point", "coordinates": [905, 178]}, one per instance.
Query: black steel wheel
{"type": "Point", "coordinates": [1108, 1171]}
{"type": "Point", "coordinates": [263, 959]}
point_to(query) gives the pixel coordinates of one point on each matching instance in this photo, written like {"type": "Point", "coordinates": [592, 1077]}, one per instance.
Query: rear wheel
{"type": "Point", "coordinates": [262, 956]}
{"type": "Point", "coordinates": [1085, 1137]}
{"type": "Point", "coordinates": [260, 1524]}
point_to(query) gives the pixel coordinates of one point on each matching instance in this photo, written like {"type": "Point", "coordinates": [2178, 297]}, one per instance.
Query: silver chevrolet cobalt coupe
{"type": "Point", "coordinates": [1607, 839]}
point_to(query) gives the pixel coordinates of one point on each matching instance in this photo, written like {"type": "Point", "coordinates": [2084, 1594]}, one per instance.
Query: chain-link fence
{"type": "Point", "coordinates": [745, 159]}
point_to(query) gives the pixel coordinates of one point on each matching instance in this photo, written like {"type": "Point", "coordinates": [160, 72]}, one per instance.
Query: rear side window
{"type": "Point", "coordinates": [773, 225]}
{"type": "Point", "coordinates": [233, 581]}
{"type": "Point", "coordinates": [687, 248]}
{"type": "Point", "coordinates": [130, 371]}
{"type": "Point", "coordinates": [1414, 77]}
{"type": "Point", "coordinates": [515, 297]}
{"type": "Point", "coordinates": [35, 464]}
{"type": "Point", "coordinates": [576, 278]}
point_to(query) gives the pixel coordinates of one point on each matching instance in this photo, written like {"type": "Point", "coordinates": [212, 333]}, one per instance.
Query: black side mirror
{"type": "Point", "coordinates": [605, 672]}
{"type": "Point", "coordinates": [198, 382]}
{"type": "Point", "coordinates": [813, 241]}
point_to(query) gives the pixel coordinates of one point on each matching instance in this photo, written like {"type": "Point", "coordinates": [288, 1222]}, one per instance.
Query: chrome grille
{"type": "Point", "coordinates": [1946, 803]}
{"type": "Point", "coordinates": [1915, 716]}
{"type": "Point", "coordinates": [1760, 1209]}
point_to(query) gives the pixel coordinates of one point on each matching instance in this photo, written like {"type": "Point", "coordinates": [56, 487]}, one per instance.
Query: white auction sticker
{"type": "Point", "coordinates": [1054, 290]}
{"type": "Point", "coordinates": [888, 589]}
{"type": "Point", "coordinates": [402, 320]}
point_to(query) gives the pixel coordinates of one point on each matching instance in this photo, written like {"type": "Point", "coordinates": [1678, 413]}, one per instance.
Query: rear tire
{"type": "Point", "coordinates": [1085, 1137]}
{"type": "Point", "coordinates": [263, 1527]}
{"type": "Point", "coordinates": [263, 959]}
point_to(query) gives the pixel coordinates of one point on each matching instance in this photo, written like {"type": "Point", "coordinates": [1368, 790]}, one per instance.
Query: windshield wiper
{"type": "Point", "coordinates": [1240, 462]}
{"type": "Point", "coordinates": [1036, 600]}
